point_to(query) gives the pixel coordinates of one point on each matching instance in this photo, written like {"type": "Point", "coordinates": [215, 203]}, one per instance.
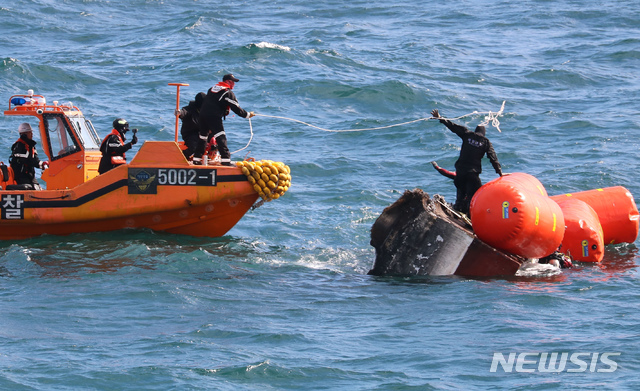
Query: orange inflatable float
{"type": "Point", "coordinates": [514, 213]}
{"type": "Point", "coordinates": [583, 238]}
{"type": "Point", "coordinates": [616, 209]}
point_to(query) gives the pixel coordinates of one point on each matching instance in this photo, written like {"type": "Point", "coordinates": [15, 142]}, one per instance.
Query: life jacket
{"type": "Point", "coordinates": [31, 150]}
{"type": "Point", "coordinates": [115, 159]}
{"type": "Point", "coordinates": [222, 86]}
{"type": "Point", "coordinates": [21, 162]}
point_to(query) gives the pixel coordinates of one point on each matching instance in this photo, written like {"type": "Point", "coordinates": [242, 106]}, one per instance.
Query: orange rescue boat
{"type": "Point", "coordinates": [159, 189]}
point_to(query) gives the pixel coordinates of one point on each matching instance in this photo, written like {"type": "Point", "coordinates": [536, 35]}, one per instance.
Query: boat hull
{"type": "Point", "coordinates": [171, 196]}
{"type": "Point", "coordinates": [421, 236]}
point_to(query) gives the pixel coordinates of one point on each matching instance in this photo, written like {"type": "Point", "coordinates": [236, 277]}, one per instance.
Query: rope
{"type": "Point", "coordinates": [342, 130]}
{"type": "Point", "coordinates": [493, 118]}
{"type": "Point", "coordinates": [251, 138]}
{"type": "Point", "coordinates": [490, 117]}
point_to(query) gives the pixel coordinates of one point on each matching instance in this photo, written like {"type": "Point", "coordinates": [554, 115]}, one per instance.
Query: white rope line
{"type": "Point", "coordinates": [493, 118]}
{"type": "Point", "coordinates": [490, 117]}
{"type": "Point", "coordinates": [251, 138]}
{"type": "Point", "coordinates": [342, 130]}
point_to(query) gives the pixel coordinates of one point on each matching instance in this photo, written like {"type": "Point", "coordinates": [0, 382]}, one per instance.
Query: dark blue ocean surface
{"type": "Point", "coordinates": [284, 302]}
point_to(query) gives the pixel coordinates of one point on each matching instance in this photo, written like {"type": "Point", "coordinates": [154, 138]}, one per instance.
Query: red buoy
{"type": "Point", "coordinates": [583, 238]}
{"type": "Point", "coordinates": [513, 213]}
{"type": "Point", "coordinates": [616, 209]}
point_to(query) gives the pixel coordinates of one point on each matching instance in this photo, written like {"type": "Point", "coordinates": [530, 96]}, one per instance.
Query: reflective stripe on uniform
{"type": "Point", "coordinates": [233, 102]}
{"type": "Point", "coordinates": [203, 137]}
{"type": "Point", "coordinates": [21, 154]}
{"type": "Point", "coordinates": [218, 134]}
{"type": "Point", "coordinates": [226, 160]}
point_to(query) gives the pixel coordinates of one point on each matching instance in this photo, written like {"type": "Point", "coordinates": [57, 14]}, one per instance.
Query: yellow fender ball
{"type": "Point", "coordinates": [271, 185]}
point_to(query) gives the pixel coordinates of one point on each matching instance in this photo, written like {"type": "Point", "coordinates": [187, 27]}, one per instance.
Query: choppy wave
{"type": "Point", "coordinates": [288, 285]}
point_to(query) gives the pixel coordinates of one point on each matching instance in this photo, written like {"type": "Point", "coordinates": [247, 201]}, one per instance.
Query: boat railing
{"type": "Point", "coordinates": [22, 102]}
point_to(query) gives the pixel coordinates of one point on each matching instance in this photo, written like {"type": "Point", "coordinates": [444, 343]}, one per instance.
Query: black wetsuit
{"type": "Point", "coordinates": [190, 116]}
{"type": "Point", "coordinates": [24, 159]}
{"type": "Point", "coordinates": [216, 106]}
{"type": "Point", "coordinates": [469, 165]}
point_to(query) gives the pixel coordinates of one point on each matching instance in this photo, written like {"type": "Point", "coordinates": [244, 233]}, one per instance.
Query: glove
{"type": "Point", "coordinates": [251, 114]}
{"type": "Point", "coordinates": [177, 112]}
{"type": "Point", "coordinates": [134, 139]}
{"type": "Point", "coordinates": [44, 165]}
{"type": "Point", "coordinates": [435, 113]}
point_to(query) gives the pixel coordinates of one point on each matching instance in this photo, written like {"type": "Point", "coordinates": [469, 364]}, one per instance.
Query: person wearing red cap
{"type": "Point", "coordinates": [219, 100]}
{"type": "Point", "coordinates": [24, 159]}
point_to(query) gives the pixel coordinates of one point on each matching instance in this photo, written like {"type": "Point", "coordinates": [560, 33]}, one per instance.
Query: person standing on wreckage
{"type": "Point", "coordinates": [469, 165]}
{"type": "Point", "coordinates": [219, 100]}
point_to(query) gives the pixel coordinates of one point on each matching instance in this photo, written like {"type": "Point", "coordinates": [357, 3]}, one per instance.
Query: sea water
{"type": "Point", "coordinates": [283, 301]}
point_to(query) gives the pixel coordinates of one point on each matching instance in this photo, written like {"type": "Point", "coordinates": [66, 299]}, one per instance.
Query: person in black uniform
{"type": "Point", "coordinates": [24, 159]}
{"type": "Point", "coordinates": [113, 146]}
{"type": "Point", "coordinates": [469, 165]}
{"type": "Point", "coordinates": [190, 115]}
{"type": "Point", "coordinates": [219, 100]}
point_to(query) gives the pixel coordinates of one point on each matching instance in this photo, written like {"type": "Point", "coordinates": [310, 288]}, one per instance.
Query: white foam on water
{"type": "Point", "coordinates": [269, 45]}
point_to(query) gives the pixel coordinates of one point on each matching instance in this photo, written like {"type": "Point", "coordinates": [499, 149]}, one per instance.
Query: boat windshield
{"type": "Point", "coordinates": [85, 131]}
{"type": "Point", "coordinates": [61, 140]}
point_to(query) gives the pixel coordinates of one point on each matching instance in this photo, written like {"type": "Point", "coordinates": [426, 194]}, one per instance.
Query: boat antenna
{"type": "Point", "coordinates": [178, 85]}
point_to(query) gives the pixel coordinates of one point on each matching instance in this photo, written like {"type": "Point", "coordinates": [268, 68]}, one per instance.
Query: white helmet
{"type": "Point", "coordinates": [24, 128]}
